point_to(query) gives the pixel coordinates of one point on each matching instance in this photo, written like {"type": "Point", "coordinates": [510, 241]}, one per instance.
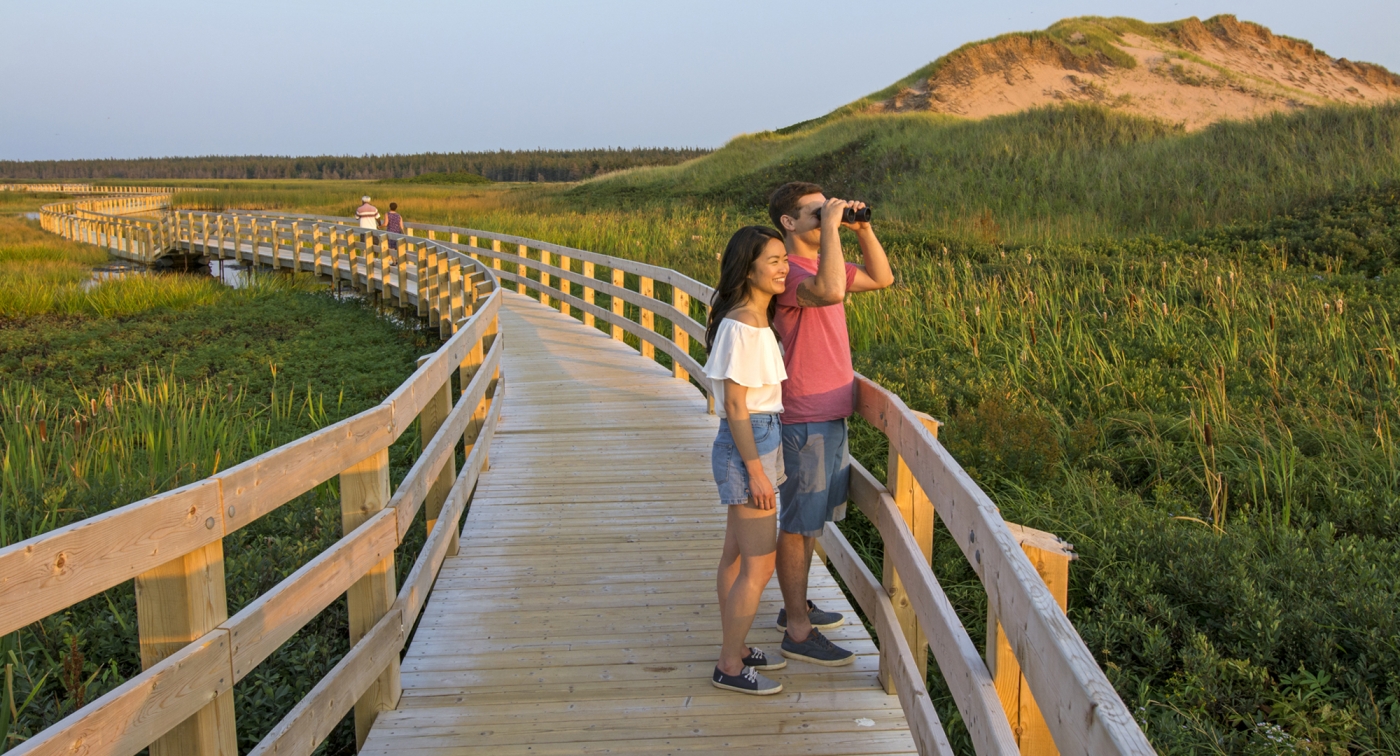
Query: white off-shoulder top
{"type": "Point", "coordinates": [750, 357]}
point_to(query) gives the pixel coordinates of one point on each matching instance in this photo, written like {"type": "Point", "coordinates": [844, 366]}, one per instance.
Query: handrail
{"type": "Point", "coordinates": [1033, 650]}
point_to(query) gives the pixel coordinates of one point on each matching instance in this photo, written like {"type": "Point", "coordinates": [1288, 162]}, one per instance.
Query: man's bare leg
{"type": "Point", "coordinates": [794, 562]}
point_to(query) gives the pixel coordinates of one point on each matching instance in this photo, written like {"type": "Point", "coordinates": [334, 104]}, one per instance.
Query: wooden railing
{"type": "Point", "coordinates": [1039, 689]}
{"type": "Point", "coordinates": [82, 188]}
{"type": "Point", "coordinates": [171, 545]}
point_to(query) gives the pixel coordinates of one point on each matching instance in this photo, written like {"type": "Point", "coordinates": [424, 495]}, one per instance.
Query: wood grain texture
{"type": "Point", "coordinates": [52, 571]}
{"type": "Point", "coordinates": [143, 708]}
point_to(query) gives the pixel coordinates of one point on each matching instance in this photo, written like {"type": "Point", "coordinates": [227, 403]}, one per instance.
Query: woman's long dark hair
{"type": "Point", "coordinates": [744, 247]}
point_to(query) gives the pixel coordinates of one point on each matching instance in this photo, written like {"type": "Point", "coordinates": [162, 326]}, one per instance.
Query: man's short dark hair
{"type": "Point", "coordinates": [783, 201]}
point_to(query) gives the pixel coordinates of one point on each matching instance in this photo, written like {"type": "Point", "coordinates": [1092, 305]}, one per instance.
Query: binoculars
{"type": "Point", "coordinates": [849, 215]}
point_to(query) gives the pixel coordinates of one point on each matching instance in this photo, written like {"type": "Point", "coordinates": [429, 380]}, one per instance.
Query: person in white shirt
{"type": "Point", "coordinates": [745, 371]}
{"type": "Point", "coordinates": [367, 213]}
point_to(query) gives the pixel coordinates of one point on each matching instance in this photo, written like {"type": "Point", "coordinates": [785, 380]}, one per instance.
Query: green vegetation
{"type": "Point", "coordinates": [502, 165]}
{"type": "Point", "coordinates": [1059, 174]}
{"type": "Point", "coordinates": [441, 178]}
{"type": "Point", "coordinates": [100, 407]}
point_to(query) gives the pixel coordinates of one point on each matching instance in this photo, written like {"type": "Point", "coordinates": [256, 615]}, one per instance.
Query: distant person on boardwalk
{"type": "Point", "coordinates": [368, 214]}
{"type": "Point", "coordinates": [745, 372]}
{"type": "Point", "coordinates": [818, 396]}
{"type": "Point", "coordinates": [393, 223]}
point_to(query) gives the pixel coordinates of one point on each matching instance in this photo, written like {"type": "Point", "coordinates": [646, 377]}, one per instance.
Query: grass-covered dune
{"type": "Point", "coordinates": [1047, 174]}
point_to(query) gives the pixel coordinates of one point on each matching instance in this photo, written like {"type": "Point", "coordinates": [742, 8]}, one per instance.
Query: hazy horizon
{"type": "Point", "coordinates": [157, 79]}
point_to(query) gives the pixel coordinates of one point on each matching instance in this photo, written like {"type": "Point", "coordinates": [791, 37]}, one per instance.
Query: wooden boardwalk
{"type": "Point", "coordinates": [579, 616]}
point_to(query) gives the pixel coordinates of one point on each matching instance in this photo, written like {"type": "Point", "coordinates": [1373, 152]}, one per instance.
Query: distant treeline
{"type": "Point", "coordinates": [525, 165]}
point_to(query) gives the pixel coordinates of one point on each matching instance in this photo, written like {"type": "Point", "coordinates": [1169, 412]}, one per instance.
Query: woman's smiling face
{"type": "Point", "coordinates": [769, 271]}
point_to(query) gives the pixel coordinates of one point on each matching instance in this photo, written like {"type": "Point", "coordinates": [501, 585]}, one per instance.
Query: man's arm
{"type": "Point", "coordinates": [875, 274]}
{"type": "Point", "coordinates": [828, 286]}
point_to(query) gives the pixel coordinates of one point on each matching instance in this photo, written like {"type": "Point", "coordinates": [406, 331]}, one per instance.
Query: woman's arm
{"type": "Point", "coordinates": [736, 409]}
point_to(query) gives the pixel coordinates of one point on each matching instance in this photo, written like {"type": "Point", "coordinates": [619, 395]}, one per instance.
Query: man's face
{"type": "Point", "coordinates": [808, 227]}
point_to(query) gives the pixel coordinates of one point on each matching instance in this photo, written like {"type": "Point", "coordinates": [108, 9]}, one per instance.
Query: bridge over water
{"type": "Point", "coordinates": [564, 599]}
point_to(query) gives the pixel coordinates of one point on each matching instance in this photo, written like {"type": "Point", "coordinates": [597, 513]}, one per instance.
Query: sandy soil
{"type": "Point", "coordinates": [1199, 75]}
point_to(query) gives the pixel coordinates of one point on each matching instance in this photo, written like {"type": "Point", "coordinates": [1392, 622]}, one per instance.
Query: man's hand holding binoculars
{"type": "Point", "coordinates": [835, 212]}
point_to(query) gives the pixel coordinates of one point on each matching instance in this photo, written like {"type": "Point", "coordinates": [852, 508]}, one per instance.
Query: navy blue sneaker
{"type": "Point", "coordinates": [820, 620]}
{"type": "Point", "coordinates": [747, 681]}
{"type": "Point", "coordinates": [759, 660]}
{"type": "Point", "coordinates": [817, 650]}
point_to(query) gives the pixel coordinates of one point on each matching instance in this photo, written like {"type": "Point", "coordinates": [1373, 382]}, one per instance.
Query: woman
{"type": "Point", "coordinates": [746, 372]}
{"type": "Point", "coordinates": [393, 223]}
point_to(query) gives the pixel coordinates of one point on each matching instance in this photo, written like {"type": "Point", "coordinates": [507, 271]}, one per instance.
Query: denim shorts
{"type": "Point", "coordinates": [730, 474]}
{"type": "Point", "coordinates": [818, 457]}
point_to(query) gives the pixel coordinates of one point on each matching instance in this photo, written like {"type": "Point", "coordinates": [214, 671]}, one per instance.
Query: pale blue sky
{"type": "Point", "coordinates": [156, 78]}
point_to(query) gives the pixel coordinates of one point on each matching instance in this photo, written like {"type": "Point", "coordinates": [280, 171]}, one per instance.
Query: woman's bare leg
{"type": "Point", "coordinates": [754, 532]}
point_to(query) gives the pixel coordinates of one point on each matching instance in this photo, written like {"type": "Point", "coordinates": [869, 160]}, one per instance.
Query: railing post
{"type": "Point", "coordinates": [401, 263]}
{"type": "Point", "coordinates": [274, 238]}
{"type": "Point", "coordinates": [1051, 557]}
{"type": "Point", "coordinates": [430, 420]}
{"type": "Point", "coordinates": [177, 603]}
{"type": "Point", "coordinates": [420, 267]}
{"type": "Point", "coordinates": [618, 279]}
{"type": "Point", "coordinates": [588, 272]}
{"type": "Point", "coordinates": [318, 248]}
{"type": "Point", "coordinates": [917, 513]}
{"type": "Point", "coordinates": [496, 261]}
{"type": "Point", "coordinates": [563, 285]}
{"type": "Point", "coordinates": [442, 296]}
{"type": "Point", "coordinates": [454, 287]}
{"type": "Point", "coordinates": [364, 490]}
{"type": "Point", "coordinates": [647, 318]}
{"type": "Point", "coordinates": [681, 301]}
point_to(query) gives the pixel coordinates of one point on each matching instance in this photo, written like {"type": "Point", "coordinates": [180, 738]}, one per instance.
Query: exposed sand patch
{"type": "Point", "coordinates": [1194, 75]}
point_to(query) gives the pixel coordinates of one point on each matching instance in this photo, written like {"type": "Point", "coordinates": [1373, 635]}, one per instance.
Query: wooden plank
{"type": "Point", "coordinates": [648, 318]}
{"type": "Point", "coordinates": [364, 491]}
{"type": "Point", "coordinates": [965, 674]}
{"type": "Point", "coordinates": [1051, 558]}
{"type": "Point", "coordinates": [265, 624]}
{"type": "Point", "coordinates": [430, 420]}
{"type": "Point", "coordinates": [54, 570]}
{"type": "Point", "coordinates": [176, 604]}
{"type": "Point", "coordinates": [312, 719]}
{"type": "Point", "coordinates": [1083, 710]}
{"type": "Point", "coordinates": [143, 708]}
{"type": "Point", "coordinates": [897, 661]}
{"type": "Point", "coordinates": [265, 482]}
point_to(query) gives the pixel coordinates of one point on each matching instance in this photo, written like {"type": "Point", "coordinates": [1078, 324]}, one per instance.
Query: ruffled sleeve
{"type": "Point", "coordinates": [746, 355]}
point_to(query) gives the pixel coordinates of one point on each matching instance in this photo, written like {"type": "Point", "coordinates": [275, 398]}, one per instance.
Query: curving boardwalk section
{"type": "Point", "coordinates": [579, 616]}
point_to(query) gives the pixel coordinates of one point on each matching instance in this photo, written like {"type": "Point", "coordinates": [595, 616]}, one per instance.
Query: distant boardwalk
{"type": "Point", "coordinates": [580, 614]}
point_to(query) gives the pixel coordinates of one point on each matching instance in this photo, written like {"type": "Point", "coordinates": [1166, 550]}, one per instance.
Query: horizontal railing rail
{"type": "Point", "coordinates": [1039, 688]}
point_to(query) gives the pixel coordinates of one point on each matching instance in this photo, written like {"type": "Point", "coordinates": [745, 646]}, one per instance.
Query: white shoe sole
{"type": "Point", "coordinates": [822, 662]}
{"type": "Point", "coordinates": [768, 692]}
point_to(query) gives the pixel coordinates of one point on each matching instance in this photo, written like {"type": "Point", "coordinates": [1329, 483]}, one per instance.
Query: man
{"type": "Point", "coordinates": [368, 214]}
{"type": "Point", "coordinates": [818, 396]}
